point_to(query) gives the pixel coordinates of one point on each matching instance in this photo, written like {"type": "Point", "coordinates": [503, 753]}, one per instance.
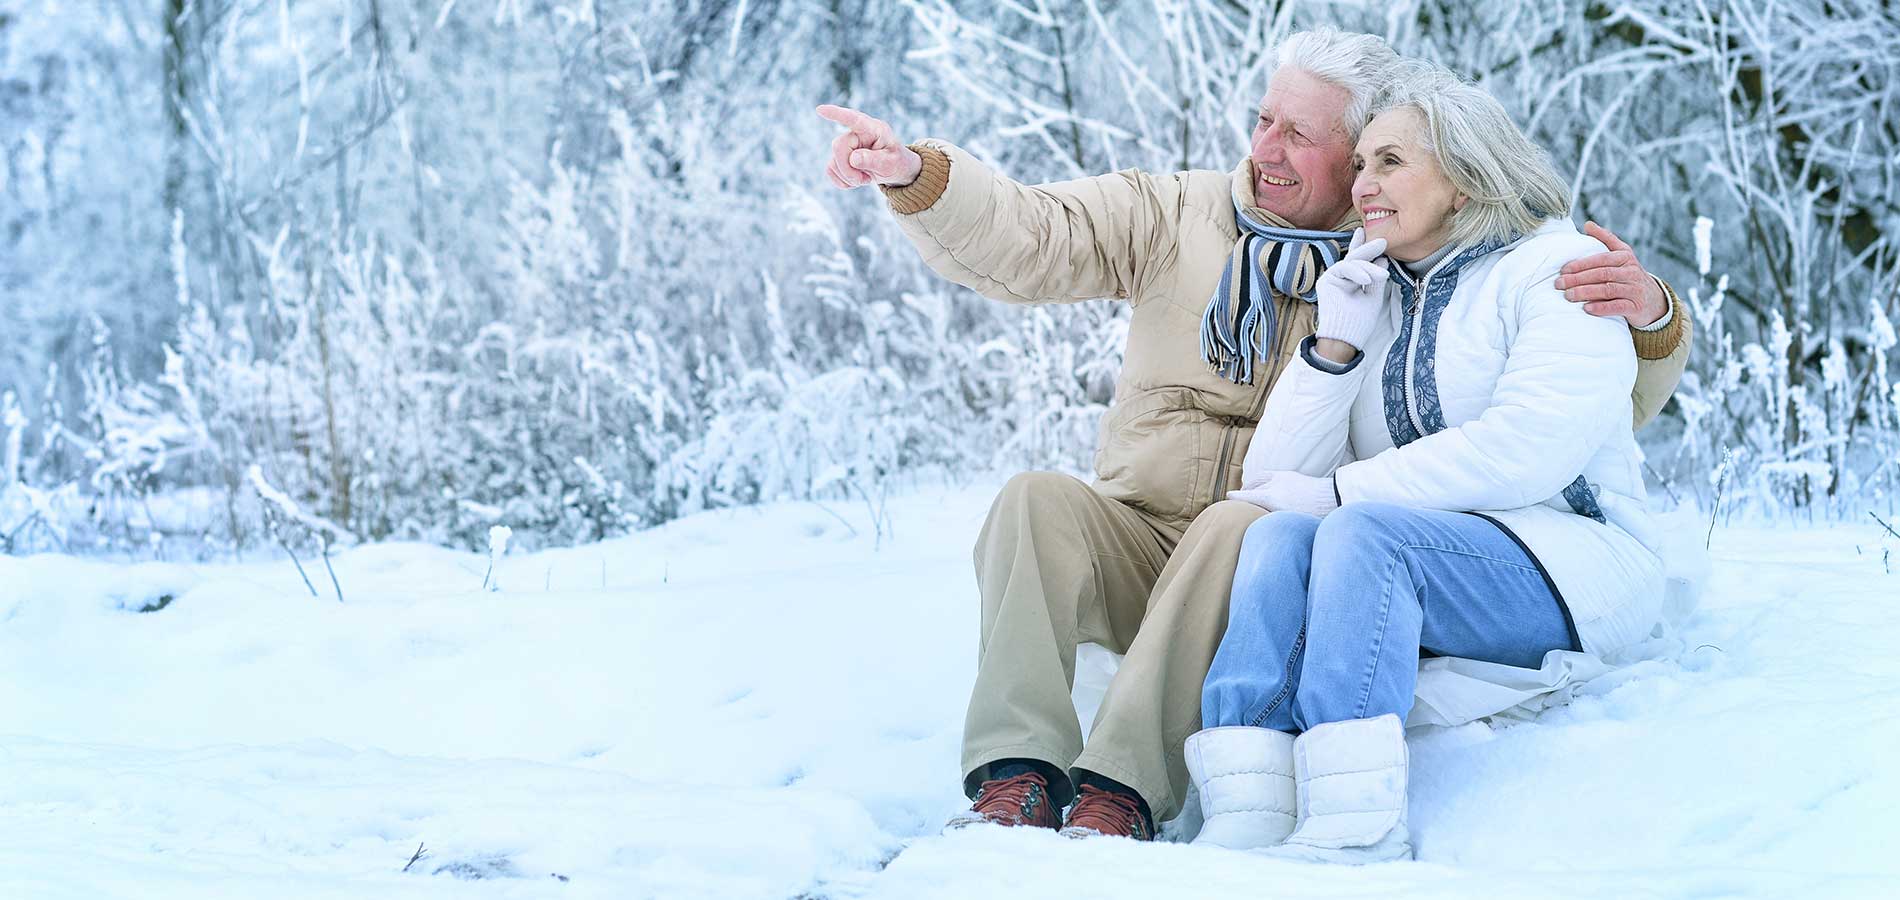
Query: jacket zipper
{"type": "Point", "coordinates": [1417, 314]}
{"type": "Point", "coordinates": [1231, 434]}
{"type": "Point", "coordinates": [1220, 468]}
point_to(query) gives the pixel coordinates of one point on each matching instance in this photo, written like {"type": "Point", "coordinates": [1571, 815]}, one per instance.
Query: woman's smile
{"type": "Point", "coordinates": [1396, 168]}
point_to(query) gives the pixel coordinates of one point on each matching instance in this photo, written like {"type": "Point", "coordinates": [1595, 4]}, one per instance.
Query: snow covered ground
{"type": "Point", "coordinates": [761, 703]}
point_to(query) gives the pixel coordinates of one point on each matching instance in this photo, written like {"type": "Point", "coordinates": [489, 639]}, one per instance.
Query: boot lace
{"type": "Point", "coordinates": [1012, 800]}
{"type": "Point", "coordinates": [1108, 812]}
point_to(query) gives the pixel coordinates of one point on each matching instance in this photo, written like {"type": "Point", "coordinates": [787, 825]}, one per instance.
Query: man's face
{"type": "Point", "coordinates": [1302, 157]}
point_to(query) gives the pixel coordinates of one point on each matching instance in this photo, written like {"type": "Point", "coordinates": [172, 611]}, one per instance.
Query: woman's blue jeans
{"type": "Point", "coordinates": [1330, 616]}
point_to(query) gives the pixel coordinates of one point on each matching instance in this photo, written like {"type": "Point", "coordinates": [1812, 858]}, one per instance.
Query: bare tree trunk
{"type": "Point", "coordinates": [339, 463]}
{"type": "Point", "coordinates": [1068, 98]}
{"type": "Point", "coordinates": [176, 89]}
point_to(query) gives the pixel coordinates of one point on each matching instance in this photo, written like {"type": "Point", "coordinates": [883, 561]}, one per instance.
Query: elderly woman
{"type": "Point", "coordinates": [1452, 473]}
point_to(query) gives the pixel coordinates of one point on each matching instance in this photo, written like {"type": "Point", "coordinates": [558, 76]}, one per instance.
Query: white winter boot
{"type": "Point", "coordinates": [1245, 779]}
{"type": "Point", "coordinates": [1351, 793]}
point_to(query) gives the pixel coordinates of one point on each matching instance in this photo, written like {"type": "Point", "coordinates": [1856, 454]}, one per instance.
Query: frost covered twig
{"type": "Point", "coordinates": [415, 857]}
{"type": "Point", "coordinates": [1721, 482]}
{"type": "Point", "coordinates": [324, 538]}
{"type": "Point", "coordinates": [1883, 523]}
{"type": "Point", "coordinates": [279, 507]}
{"type": "Point", "coordinates": [1664, 481]}
{"type": "Point", "coordinates": [12, 430]}
{"type": "Point", "coordinates": [834, 514]}
{"type": "Point", "coordinates": [6, 540]}
{"type": "Point", "coordinates": [497, 545]}
{"type": "Point", "coordinates": [270, 525]}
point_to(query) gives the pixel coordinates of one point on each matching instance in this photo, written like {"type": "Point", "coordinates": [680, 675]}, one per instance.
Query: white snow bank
{"type": "Point", "coordinates": [758, 703]}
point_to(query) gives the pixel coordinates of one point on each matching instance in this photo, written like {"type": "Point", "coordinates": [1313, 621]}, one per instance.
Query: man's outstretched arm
{"type": "Point", "coordinates": [1062, 242]}
{"type": "Point", "coordinates": [1614, 283]}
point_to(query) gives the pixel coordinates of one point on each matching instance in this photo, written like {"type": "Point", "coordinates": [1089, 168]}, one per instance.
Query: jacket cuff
{"type": "Point", "coordinates": [918, 195]}
{"type": "Point", "coordinates": [1669, 311]}
{"type": "Point", "coordinates": [1661, 343]}
{"type": "Point", "coordinates": [1323, 364]}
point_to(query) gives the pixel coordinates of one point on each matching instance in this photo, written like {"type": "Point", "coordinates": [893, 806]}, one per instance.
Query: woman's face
{"type": "Point", "coordinates": [1401, 191]}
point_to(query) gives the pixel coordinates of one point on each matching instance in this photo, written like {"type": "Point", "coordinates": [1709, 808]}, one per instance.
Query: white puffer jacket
{"type": "Point", "coordinates": [1517, 394]}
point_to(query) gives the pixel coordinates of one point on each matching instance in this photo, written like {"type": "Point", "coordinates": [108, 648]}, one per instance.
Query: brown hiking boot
{"type": "Point", "coordinates": [1021, 800]}
{"type": "Point", "coordinates": [1103, 812]}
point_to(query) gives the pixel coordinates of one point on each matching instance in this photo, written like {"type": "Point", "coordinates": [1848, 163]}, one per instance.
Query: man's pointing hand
{"type": "Point", "coordinates": [868, 152]}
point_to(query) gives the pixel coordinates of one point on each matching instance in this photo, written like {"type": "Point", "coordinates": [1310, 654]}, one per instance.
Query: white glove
{"type": "Point", "coordinates": [1291, 491]}
{"type": "Point", "coordinates": [1351, 292]}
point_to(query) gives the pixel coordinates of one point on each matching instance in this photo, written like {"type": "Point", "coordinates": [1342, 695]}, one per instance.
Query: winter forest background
{"type": "Point", "coordinates": [317, 272]}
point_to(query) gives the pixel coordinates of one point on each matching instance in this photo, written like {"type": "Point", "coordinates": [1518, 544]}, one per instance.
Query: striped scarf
{"type": "Point", "coordinates": [1270, 257]}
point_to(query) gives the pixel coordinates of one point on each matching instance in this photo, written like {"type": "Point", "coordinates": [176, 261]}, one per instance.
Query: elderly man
{"type": "Point", "coordinates": [1219, 269]}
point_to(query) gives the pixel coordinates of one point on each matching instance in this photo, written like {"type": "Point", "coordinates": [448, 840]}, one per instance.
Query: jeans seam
{"type": "Point", "coordinates": [1410, 545]}
{"type": "Point", "coordinates": [1378, 643]}
{"type": "Point", "coordinates": [1286, 678]}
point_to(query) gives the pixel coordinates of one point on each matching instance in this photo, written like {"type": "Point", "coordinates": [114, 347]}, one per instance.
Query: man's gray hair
{"type": "Point", "coordinates": [1509, 182]}
{"type": "Point", "coordinates": [1360, 63]}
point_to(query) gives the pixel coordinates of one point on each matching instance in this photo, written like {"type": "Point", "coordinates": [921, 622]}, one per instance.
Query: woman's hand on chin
{"type": "Point", "coordinates": [1350, 294]}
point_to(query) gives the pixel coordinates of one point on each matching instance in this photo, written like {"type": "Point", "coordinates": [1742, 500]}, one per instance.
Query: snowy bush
{"type": "Point", "coordinates": [572, 266]}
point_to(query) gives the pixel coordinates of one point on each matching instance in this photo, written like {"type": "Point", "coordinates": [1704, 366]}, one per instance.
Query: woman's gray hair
{"type": "Point", "coordinates": [1360, 63]}
{"type": "Point", "coordinates": [1509, 182]}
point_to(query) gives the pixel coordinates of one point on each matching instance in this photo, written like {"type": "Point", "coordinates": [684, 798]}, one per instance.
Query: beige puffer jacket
{"type": "Point", "coordinates": [1173, 440]}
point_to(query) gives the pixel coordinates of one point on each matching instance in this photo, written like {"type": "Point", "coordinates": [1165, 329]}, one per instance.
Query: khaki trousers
{"type": "Point", "coordinates": [1058, 564]}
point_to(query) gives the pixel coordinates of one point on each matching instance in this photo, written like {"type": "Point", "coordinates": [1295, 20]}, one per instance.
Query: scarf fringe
{"type": "Point", "coordinates": [1232, 334]}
